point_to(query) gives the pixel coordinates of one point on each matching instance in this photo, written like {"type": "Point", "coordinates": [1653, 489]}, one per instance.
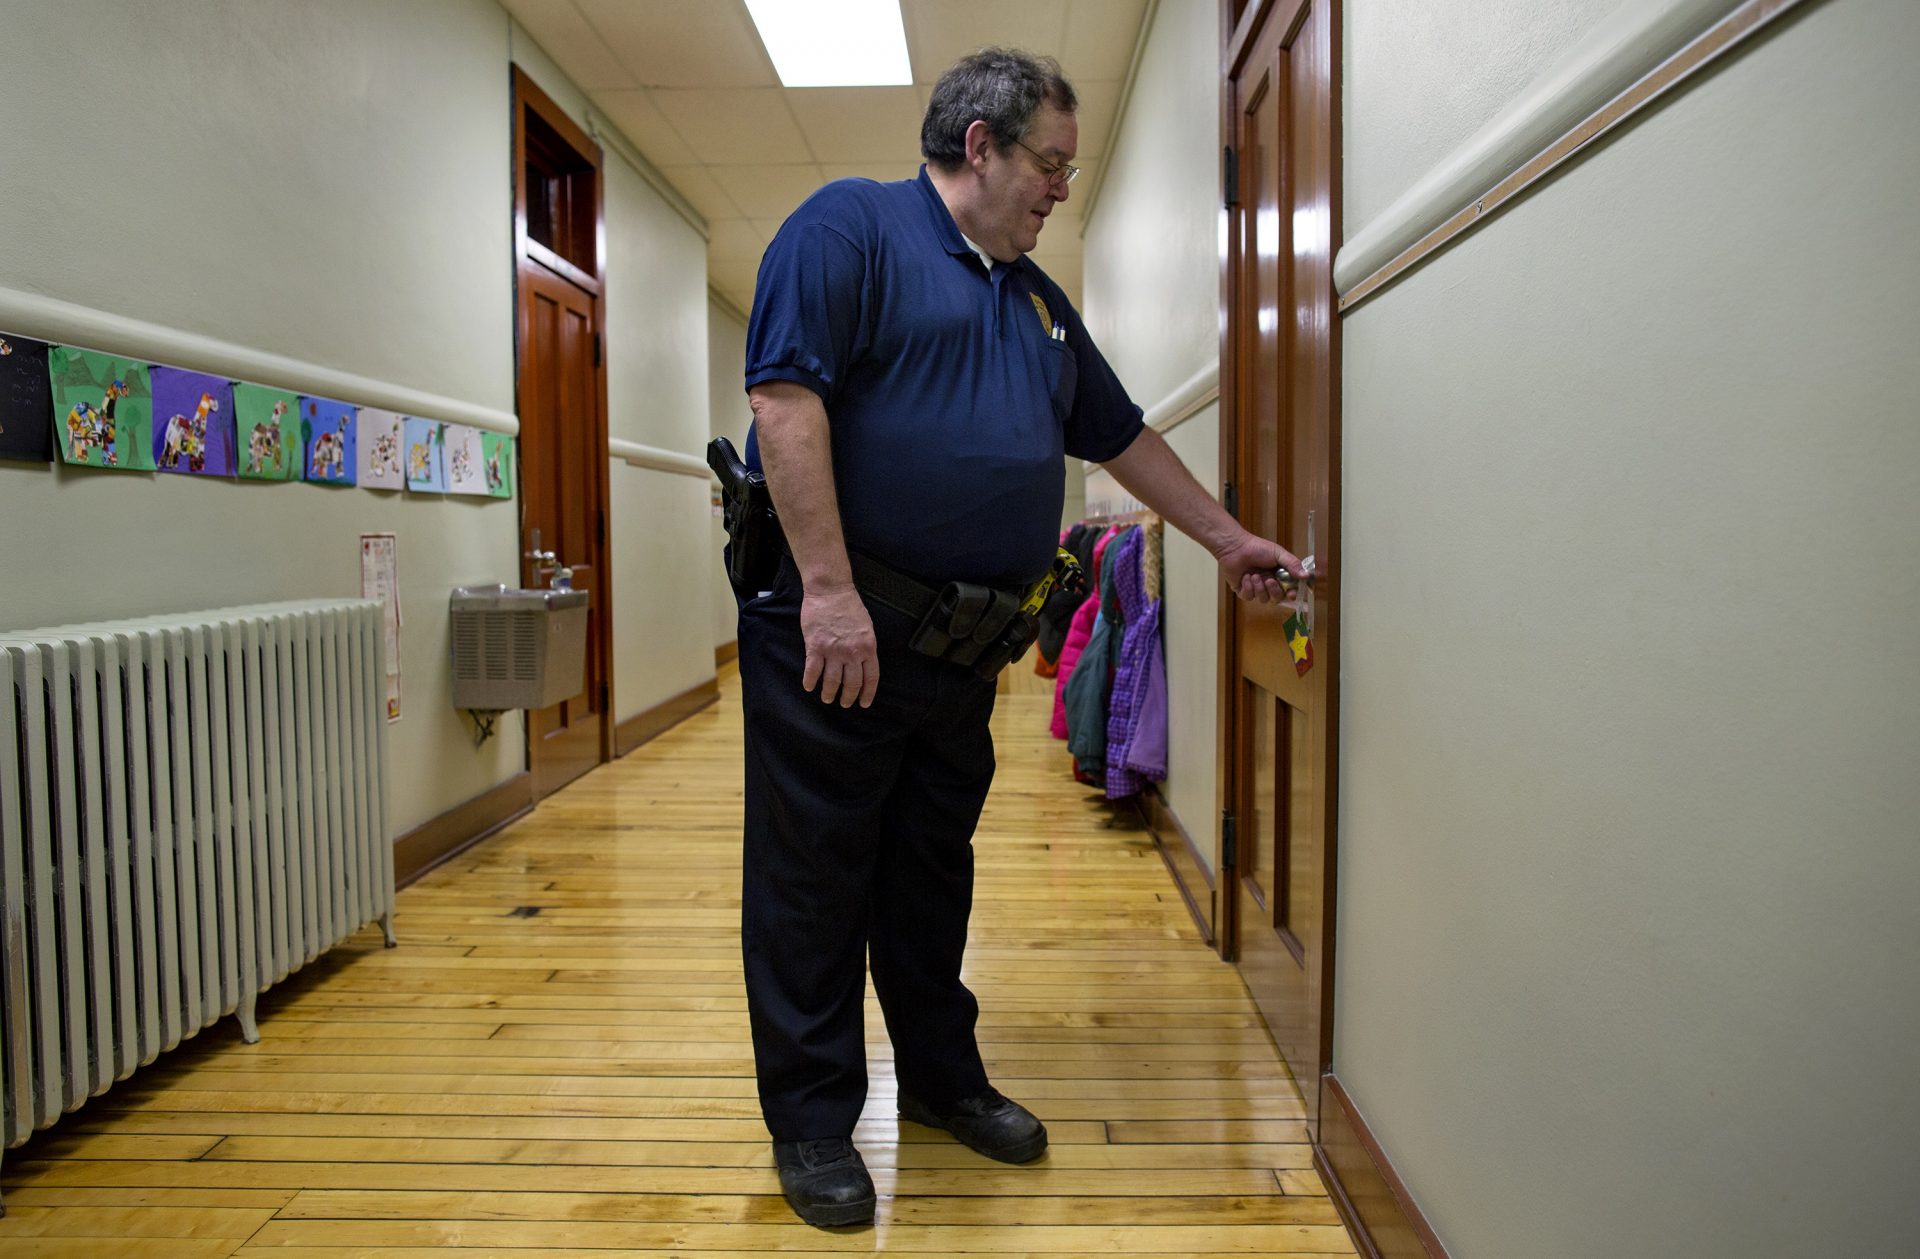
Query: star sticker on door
{"type": "Point", "coordinates": [1300, 643]}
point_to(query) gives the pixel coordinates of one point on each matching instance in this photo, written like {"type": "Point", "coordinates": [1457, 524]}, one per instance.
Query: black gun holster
{"type": "Point", "coordinates": [754, 540]}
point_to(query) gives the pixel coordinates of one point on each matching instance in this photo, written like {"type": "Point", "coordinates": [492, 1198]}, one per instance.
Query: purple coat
{"type": "Point", "coordinates": [1136, 712]}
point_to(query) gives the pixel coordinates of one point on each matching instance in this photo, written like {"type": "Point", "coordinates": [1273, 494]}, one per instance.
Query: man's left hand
{"type": "Point", "coordinates": [1248, 565]}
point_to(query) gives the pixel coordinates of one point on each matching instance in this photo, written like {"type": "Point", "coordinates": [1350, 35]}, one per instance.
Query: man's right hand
{"type": "Point", "coordinates": [842, 655]}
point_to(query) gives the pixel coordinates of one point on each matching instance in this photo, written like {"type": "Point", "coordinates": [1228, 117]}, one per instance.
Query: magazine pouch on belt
{"type": "Point", "coordinates": [973, 625]}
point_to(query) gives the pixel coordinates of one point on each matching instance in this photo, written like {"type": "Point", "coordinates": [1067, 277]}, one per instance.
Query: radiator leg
{"type": "Point", "coordinates": [249, 1028]}
{"type": "Point", "coordinates": [386, 926]}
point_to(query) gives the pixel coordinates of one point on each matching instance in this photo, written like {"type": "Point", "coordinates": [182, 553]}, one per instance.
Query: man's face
{"type": "Point", "coordinates": [1018, 193]}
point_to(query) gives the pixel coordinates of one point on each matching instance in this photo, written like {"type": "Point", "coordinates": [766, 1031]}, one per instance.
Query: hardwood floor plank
{"type": "Point", "coordinates": [321, 1204]}
{"type": "Point", "coordinates": [981, 1181]}
{"type": "Point", "coordinates": [1250, 1239]}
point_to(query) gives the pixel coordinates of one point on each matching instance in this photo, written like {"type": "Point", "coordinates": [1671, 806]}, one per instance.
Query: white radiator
{"type": "Point", "coordinates": [191, 808]}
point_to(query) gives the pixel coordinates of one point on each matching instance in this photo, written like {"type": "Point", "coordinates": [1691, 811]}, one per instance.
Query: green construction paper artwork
{"type": "Point", "coordinates": [102, 409]}
{"type": "Point", "coordinates": [496, 455]}
{"type": "Point", "coordinates": [267, 433]}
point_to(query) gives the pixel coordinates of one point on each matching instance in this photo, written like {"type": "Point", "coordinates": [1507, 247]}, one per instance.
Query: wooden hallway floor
{"type": "Point", "coordinates": [555, 1062]}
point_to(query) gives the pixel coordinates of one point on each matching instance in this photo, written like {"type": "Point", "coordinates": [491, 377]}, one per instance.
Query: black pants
{"type": "Point", "coordinates": [859, 843]}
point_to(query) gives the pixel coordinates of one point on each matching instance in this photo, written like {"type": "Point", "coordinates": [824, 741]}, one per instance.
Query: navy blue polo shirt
{"type": "Point", "coordinates": [952, 407]}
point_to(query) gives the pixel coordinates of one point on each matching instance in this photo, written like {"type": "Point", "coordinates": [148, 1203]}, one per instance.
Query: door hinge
{"type": "Point", "coordinates": [600, 526]}
{"type": "Point", "coordinates": [596, 349]}
{"type": "Point", "coordinates": [1231, 176]}
{"type": "Point", "coordinates": [1230, 499]}
{"type": "Point", "coordinates": [1229, 840]}
{"type": "Point", "coordinates": [603, 697]}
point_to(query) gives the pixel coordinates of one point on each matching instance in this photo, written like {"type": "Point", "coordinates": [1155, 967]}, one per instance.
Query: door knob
{"type": "Point", "coordinates": [1290, 581]}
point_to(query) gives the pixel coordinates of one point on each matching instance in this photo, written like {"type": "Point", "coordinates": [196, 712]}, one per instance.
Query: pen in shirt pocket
{"type": "Point", "coordinates": [1059, 333]}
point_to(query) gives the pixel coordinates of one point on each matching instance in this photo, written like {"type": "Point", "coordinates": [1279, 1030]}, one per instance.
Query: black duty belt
{"type": "Point", "coordinates": [892, 587]}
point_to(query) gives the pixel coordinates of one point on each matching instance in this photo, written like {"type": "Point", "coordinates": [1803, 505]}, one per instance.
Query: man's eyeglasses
{"type": "Point", "coordinates": [1056, 173]}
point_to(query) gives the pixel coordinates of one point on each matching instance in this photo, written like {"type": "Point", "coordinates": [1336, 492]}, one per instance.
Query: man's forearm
{"type": "Point", "coordinates": [1150, 471]}
{"type": "Point", "coordinates": [796, 452]}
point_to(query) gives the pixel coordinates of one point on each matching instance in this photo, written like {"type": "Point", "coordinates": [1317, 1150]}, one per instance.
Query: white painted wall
{"type": "Point", "coordinates": [1152, 303]}
{"type": "Point", "coordinates": [1628, 853]}
{"type": "Point", "coordinates": [1460, 61]}
{"type": "Point", "coordinates": [275, 176]}
{"type": "Point", "coordinates": [730, 418]}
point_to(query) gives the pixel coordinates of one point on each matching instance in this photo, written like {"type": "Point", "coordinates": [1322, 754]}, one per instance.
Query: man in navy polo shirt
{"type": "Point", "coordinates": [917, 384]}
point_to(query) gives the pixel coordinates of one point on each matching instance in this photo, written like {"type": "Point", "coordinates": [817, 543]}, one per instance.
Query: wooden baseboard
{"type": "Point", "coordinates": [460, 828]}
{"type": "Point", "coordinates": [1385, 1221]}
{"type": "Point", "coordinates": [726, 652]}
{"type": "Point", "coordinates": [1184, 863]}
{"type": "Point", "coordinates": [663, 716]}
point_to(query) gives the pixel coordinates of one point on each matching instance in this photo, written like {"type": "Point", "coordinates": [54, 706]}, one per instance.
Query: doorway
{"type": "Point", "coordinates": [1280, 457]}
{"type": "Point", "coordinates": [561, 391]}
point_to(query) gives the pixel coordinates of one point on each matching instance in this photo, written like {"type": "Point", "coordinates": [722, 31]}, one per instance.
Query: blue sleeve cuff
{"type": "Point", "coordinates": [1117, 442]}
{"type": "Point", "coordinates": [798, 375]}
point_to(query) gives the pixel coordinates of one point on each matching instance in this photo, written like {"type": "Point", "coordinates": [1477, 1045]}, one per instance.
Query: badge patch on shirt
{"type": "Point", "coordinates": [1040, 308]}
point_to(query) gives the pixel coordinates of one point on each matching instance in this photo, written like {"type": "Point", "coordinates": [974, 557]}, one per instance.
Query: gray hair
{"type": "Point", "coordinates": [1002, 87]}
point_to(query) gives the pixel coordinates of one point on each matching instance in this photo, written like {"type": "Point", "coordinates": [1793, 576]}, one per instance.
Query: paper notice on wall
{"type": "Point", "coordinates": [380, 579]}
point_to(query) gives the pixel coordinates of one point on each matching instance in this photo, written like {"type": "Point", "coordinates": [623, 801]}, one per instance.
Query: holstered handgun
{"type": "Point", "coordinates": [753, 530]}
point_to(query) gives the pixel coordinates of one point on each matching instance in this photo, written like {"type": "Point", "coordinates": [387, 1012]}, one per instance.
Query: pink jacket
{"type": "Point", "coordinates": [1079, 630]}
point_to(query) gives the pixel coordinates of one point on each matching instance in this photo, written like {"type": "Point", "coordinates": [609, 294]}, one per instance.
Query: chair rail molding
{"type": "Point", "coordinates": [659, 460]}
{"type": "Point", "coordinates": [68, 323]}
{"type": "Point", "coordinates": [1630, 59]}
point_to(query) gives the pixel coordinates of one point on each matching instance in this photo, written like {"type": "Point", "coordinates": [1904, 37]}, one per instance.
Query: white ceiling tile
{"type": "Point", "coordinates": [769, 192]}
{"type": "Point", "coordinates": [735, 240]}
{"type": "Point", "coordinates": [683, 43]}
{"type": "Point", "coordinates": [698, 186]}
{"type": "Point", "coordinates": [859, 124]}
{"type": "Point", "coordinates": [558, 27]}
{"type": "Point", "coordinates": [1099, 103]}
{"type": "Point", "coordinates": [883, 172]}
{"type": "Point", "coordinates": [641, 121]}
{"type": "Point", "coordinates": [1100, 38]}
{"type": "Point", "coordinates": [730, 127]}
{"type": "Point", "coordinates": [768, 228]}
{"type": "Point", "coordinates": [940, 32]}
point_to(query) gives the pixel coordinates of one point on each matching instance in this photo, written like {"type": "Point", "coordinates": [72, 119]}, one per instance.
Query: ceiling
{"type": "Point", "coordinates": [689, 83]}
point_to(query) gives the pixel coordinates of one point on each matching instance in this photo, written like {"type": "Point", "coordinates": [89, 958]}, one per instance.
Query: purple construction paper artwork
{"type": "Point", "coordinates": [26, 401]}
{"type": "Point", "coordinates": [192, 423]}
{"type": "Point", "coordinates": [332, 457]}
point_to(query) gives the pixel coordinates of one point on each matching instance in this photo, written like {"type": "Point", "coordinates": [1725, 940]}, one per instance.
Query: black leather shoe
{"type": "Point", "coordinates": [825, 1182]}
{"type": "Point", "coordinates": [989, 1124]}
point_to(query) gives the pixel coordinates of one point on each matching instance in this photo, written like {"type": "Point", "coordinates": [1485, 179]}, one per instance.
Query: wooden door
{"type": "Point", "coordinates": [1281, 454]}
{"type": "Point", "coordinates": [562, 404]}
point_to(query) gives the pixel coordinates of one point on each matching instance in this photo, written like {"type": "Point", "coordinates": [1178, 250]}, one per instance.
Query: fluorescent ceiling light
{"type": "Point", "coordinates": [834, 43]}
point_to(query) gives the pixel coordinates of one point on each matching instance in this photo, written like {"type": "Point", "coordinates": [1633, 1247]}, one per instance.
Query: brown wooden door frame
{"type": "Point", "coordinates": [1245, 27]}
{"type": "Point", "coordinates": [585, 270]}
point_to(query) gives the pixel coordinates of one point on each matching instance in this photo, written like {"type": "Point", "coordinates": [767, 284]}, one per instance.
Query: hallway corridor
{"type": "Point", "coordinates": [555, 1061]}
